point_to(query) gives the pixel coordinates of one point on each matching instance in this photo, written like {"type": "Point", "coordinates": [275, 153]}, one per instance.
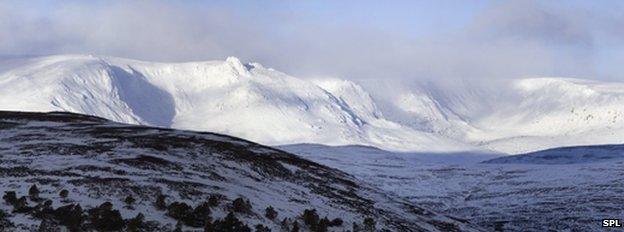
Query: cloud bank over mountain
{"type": "Point", "coordinates": [355, 40]}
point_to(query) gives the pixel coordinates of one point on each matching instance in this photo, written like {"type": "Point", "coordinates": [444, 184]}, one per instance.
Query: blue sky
{"type": "Point", "coordinates": [348, 39]}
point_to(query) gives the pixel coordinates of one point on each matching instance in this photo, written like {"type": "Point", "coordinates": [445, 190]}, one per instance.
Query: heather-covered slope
{"type": "Point", "coordinates": [100, 161]}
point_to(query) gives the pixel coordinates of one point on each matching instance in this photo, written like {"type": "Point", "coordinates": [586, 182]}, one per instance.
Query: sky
{"type": "Point", "coordinates": [437, 39]}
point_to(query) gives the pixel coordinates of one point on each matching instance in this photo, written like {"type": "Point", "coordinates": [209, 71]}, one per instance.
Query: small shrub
{"type": "Point", "coordinates": [270, 213]}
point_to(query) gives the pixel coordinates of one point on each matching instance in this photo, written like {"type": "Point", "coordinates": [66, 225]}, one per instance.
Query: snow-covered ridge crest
{"type": "Point", "coordinates": [262, 104]}
{"type": "Point", "coordinates": [245, 100]}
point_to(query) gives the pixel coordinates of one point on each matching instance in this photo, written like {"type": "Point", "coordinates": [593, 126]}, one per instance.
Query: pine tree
{"type": "Point", "coordinates": [21, 205]}
{"type": "Point", "coordinates": [356, 227]}
{"type": "Point", "coordinates": [179, 210]}
{"type": "Point", "coordinates": [129, 201]}
{"type": "Point", "coordinates": [336, 222]}
{"type": "Point", "coordinates": [241, 205]}
{"type": "Point", "coordinates": [285, 224]}
{"type": "Point", "coordinates": [70, 216]}
{"type": "Point", "coordinates": [322, 225]}
{"type": "Point", "coordinates": [104, 218]}
{"type": "Point", "coordinates": [178, 227]}
{"type": "Point", "coordinates": [64, 193]}
{"type": "Point", "coordinates": [230, 224]}
{"type": "Point", "coordinates": [311, 218]}
{"type": "Point", "coordinates": [262, 228]}
{"type": "Point", "coordinates": [295, 227]}
{"type": "Point", "coordinates": [270, 213]}
{"type": "Point", "coordinates": [33, 192]}
{"type": "Point", "coordinates": [213, 200]}
{"type": "Point", "coordinates": [209, 227]}
{"type": "Point", "coordinates": [160, 203]}
{"type": "Point", "coordinates": [135, 223]}
{"type": "Point", "coordinates": [199, 216]}
{"type": "Point", "coordinates": [369, 224]}
{"type": "Point", "coordinates": [10, 197]}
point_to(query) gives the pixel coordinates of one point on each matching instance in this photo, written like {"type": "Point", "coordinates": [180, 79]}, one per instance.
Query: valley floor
{"type": "Point", "coordinates": [498, 197]}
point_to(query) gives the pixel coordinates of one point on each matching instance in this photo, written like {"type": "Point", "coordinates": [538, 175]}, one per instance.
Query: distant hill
{"type": "Point", "coordinates": [565, 155]}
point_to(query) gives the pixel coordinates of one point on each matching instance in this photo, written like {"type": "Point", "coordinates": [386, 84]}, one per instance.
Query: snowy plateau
{"type": "Point", "coordinates": [529, 154]}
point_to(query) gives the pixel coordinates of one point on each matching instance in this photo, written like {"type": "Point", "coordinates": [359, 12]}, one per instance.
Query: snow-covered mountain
{"type": "Point", "coordinates": [173, 176]}
{"type": "Point", "coordinates": [511, 116]}
{"type": "Point", "coordinates": [248, 101]}
{"type": "Point", "coordinates": [265, 105]}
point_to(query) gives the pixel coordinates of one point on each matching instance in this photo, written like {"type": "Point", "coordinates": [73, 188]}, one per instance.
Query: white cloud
{"type": "Point", "coordinates": [510, 39]}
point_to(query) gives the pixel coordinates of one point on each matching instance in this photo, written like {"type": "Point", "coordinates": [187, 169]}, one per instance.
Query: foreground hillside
{"type": "Point", "coordinates": [82, 172]}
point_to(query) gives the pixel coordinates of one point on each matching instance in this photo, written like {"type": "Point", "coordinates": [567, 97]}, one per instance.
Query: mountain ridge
{"type": "Point", "coordinates": [233, 97]}
{"type": "Point", "coordinates": [268, 106]}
